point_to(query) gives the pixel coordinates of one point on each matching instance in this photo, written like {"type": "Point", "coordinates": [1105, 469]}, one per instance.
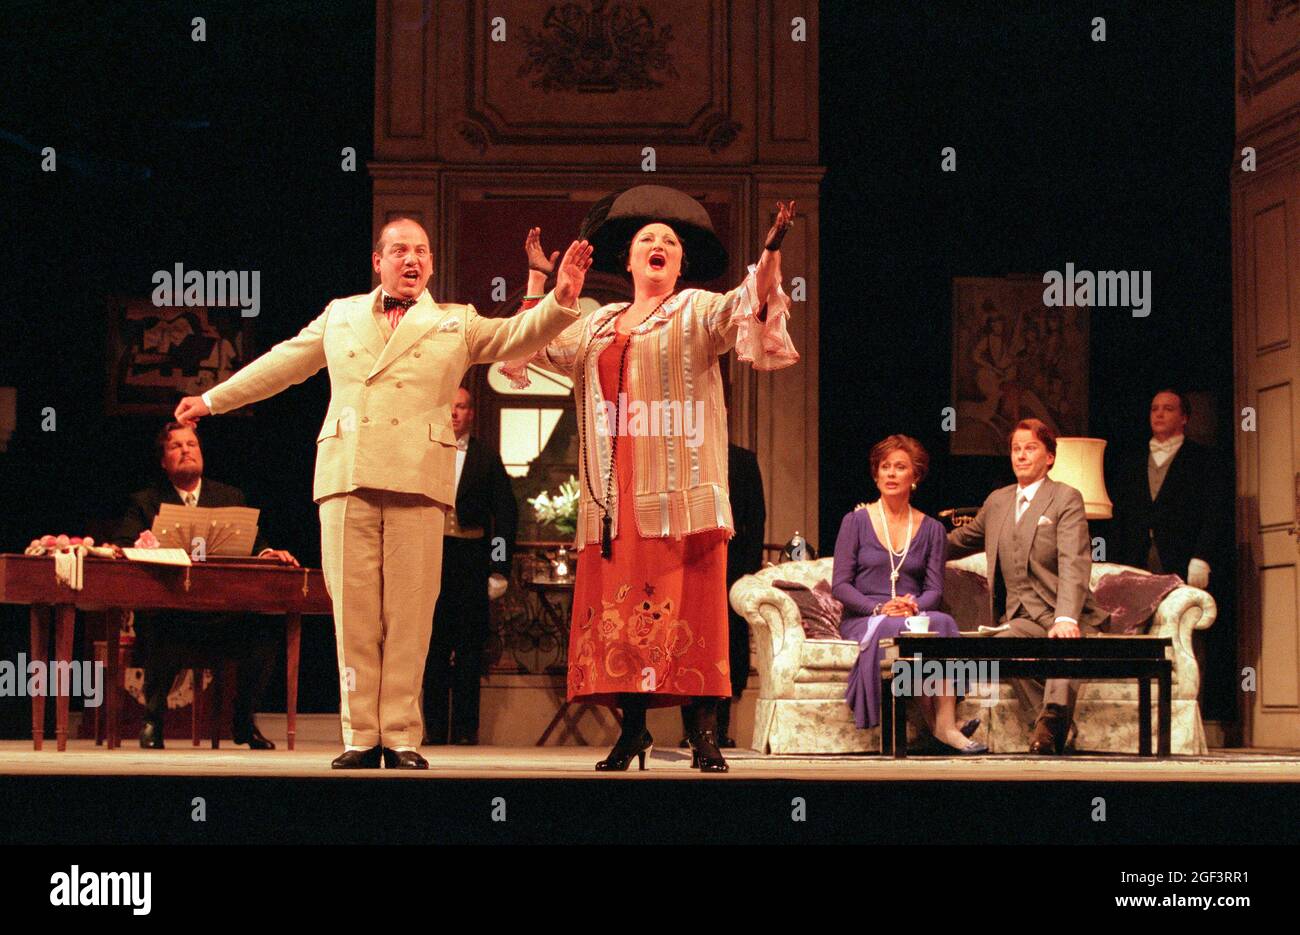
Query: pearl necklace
{"type": "Point", "coordinates": [889, 544]}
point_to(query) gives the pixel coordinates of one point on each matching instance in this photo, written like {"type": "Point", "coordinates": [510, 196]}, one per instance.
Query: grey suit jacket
{"type": "Point", "coordinates": [1059, 559]}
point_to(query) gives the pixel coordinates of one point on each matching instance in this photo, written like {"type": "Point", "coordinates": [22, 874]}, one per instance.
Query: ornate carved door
{"type": "Point", "coordinates": [1266, 251]}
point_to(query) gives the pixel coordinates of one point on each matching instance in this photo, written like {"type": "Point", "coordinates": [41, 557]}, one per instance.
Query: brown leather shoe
{"type": "Point", "coordinates": [1050, 730]}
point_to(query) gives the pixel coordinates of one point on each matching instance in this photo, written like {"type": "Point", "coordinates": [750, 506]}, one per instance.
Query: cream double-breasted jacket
{"type": "Point", "coordinates": [388, 426]}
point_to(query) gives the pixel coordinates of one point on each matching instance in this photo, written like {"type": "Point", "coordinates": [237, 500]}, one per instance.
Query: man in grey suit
{"type": "Point", "coordinates": [1034, 534]}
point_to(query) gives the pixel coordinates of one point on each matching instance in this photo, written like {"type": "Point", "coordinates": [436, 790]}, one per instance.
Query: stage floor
{"type": "Point", "coordinates": [312, 758]}
{"type": "Point", "coordinates": [486, 794]}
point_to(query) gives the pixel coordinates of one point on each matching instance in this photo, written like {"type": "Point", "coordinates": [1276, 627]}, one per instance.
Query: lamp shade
{"type": "Point", "coordinates": [1079, 464]}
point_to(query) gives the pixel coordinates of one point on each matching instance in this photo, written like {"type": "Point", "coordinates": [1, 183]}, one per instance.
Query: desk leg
{"type": "Point", "coordinates": [900, 725]}
{"type": "Point", "coordinates": [217, 702]}
{"type": "Point", "coordinates": [292, 649]}
{"type": "Point", "coordinates": [886, 711]}
{"type": "Point", "coordinates": [65, 618]}
{"type": "Point", "coordinates": [198, 707]}
{"type": "Point", "coordinates": [40, 638]}
{"type": "Point", "coordinates": [122, 655]}
{"type": "Point", "coordinates": [116, 622]}
{"type": "Point", "coordinates": [1165, 714]}
{"type": "Point", "coordinates": [1144, 715]}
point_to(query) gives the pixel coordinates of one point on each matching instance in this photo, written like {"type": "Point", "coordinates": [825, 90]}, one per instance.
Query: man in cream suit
{"type": "Point", "coordinates": [1034, 534]}
{"type": "Point", "coordinates": [386, 466]}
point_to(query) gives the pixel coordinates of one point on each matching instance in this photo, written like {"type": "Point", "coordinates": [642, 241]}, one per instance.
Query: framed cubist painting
{"type": "Point", "coordinates": [1014, 358]}
{"type": "Point", "coordinates": [156, 355]}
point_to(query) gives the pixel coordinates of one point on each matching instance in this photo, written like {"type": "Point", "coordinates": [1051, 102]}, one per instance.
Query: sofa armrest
{"type": "Point", "coordinates": [773, 618]}
{"type": "Point", "coordinates": [1184, 610]}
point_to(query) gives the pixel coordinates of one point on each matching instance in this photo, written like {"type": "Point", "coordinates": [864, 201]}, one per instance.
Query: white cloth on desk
{"type": "Point", "coordinates": [69, 568]}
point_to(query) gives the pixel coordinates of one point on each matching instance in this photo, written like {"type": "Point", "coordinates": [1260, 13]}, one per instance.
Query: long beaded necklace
{"type": "Point", "coordinates": [889, 544]}
{"type": "Point", "coordinates": [606, 521]}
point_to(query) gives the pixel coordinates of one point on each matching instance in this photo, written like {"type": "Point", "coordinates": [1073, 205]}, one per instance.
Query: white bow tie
{"type": "Point", "coordinates": [1169, 445]}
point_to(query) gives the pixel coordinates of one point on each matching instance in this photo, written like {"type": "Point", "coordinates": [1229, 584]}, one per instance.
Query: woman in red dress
{"type": "Point", "coordinates": [649, 621]}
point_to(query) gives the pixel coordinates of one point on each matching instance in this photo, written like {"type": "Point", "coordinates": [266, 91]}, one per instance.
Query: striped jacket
{"type": "Point", "coordinates": [680, 459]}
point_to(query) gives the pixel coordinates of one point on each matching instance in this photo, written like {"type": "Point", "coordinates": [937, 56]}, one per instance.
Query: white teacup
{"type": "Point", "coordinates": [919, 624]}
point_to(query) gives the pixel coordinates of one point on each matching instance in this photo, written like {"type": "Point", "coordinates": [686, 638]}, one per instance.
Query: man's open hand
{"type": "Point", "coordinates": [281, 555]}
{"type": "Point", "coordinates": [191, 409]}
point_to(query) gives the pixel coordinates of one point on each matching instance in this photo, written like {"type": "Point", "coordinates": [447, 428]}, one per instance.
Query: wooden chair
{"type": "Point", "coordinates": [205, 707]}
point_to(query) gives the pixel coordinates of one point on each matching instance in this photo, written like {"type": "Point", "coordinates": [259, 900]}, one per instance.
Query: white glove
{"type": "Point", "coordinates": [1198, 573]}
{"type": "Point", "coordinates": [497, 585]}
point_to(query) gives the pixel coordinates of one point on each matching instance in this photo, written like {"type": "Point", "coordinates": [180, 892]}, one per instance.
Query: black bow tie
{"type": "Point", "coordinates": [392, 303]}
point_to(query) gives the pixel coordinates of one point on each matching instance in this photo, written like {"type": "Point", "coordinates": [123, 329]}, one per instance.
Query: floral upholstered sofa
{"type": "Point", "coordinates": [801, 707]}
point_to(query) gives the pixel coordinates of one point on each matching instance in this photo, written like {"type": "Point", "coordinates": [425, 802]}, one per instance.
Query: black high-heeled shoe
{"type": "Point", "coordinates": [621, 756]}
{"type": "Point", "coordinates": [705, 755]}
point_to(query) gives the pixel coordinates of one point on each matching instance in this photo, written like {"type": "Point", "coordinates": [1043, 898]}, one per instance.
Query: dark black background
{"type": "Point", "coordinates": [226, 155]}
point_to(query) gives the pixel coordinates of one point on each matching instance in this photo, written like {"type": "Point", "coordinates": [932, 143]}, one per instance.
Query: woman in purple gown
{"type": "Point", "coordinates": [889, 566]}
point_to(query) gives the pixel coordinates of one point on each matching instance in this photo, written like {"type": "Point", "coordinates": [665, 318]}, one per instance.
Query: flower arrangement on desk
{"type": "Point", "coordinates": [50, 545]}
{"type": "Point", "coordinates": [69, 554]}
{"type": "Point", "coordinates": [560, 511]}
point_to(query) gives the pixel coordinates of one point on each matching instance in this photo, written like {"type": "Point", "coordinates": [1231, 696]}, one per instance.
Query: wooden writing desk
{"type": "Point", "coordinates": [118, 586]}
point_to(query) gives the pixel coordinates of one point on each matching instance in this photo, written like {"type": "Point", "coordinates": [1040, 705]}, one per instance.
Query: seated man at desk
{"type": "Point", "coordinates": [164, 637]}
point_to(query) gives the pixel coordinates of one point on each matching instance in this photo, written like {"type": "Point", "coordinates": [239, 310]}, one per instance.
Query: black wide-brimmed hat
{"type": "Point", "coordinates": [614, 220]}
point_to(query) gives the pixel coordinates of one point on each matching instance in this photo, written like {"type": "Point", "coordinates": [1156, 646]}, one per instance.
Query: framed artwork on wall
{"type": "Point", "coordinates": [157, 355]}
{"type": "Point", "coordinates": [1014, 358]}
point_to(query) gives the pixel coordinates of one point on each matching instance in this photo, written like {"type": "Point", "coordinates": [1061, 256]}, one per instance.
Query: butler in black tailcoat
{"type": "Point", "coordinates": [478, 542]}
{"type": "Point", "coordinates": [1171, 499]}
{"type": "Point", "coordinates": [165, 638]}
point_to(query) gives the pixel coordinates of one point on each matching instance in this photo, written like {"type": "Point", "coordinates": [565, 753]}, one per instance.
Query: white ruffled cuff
{"type": "Point", "coordinates": [516, 371]}
{"type": "Point", "coordinates": [764, 345]}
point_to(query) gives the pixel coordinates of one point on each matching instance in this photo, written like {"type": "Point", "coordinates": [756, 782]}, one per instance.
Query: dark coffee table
{"type": "Point", "coordinates": [1095, 657]}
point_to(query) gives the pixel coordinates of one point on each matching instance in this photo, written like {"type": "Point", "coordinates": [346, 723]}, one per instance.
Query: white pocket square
{"type": "Point", "coordinates": [451, 324]}
{"type": "Point", "coordinates": [1044, 521]}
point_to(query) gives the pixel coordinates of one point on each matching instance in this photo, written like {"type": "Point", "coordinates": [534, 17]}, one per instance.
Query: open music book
{"type": "Point", "coordinates": [225, 530]}
{"type": "Point", "coordinates": [159, 556]}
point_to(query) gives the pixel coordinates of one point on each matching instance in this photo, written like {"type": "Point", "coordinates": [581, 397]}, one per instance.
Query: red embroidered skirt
{"type": "Point", "coordinates": [652, 618]}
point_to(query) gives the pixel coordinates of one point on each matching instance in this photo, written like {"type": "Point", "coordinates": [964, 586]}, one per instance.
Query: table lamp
{"type": "Point", "coordinates": [1079, 464]}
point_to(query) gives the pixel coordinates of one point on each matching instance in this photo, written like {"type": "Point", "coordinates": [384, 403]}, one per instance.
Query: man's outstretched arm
{"type": "Point", "coordinates": [289, 362]}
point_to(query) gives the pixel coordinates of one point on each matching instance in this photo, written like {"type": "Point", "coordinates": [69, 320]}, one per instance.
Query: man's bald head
{"type": "Point", "coordinates": [403, 258]}
{"type": "Point", "coordinates": [385, 236]}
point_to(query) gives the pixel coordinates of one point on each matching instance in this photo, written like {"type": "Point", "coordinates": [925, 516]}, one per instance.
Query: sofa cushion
{"type": "Point", "coordinates": [819, 612]}
{"type": "Point", "coordinates": [966, 597]}
{"type": "Point", "coordinates": [1131, 598]}
{"type": "Point", "coordinates": [808, 691]}
{"type": "Point", "coordinates": [1129, 594]}
{"type": "Point", "coordinates": [840, 676]}
{"type": "Point", "coordinates": [828, 654]}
